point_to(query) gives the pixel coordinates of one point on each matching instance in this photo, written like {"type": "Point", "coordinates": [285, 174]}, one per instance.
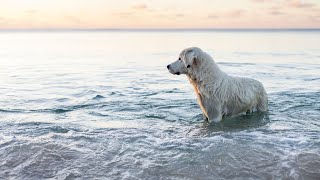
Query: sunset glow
{"type": "Point", "coordinates": [93, 14]}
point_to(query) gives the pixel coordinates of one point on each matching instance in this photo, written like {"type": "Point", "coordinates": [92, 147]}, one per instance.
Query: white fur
{"type": "Point", "coordinates": [218, 93]}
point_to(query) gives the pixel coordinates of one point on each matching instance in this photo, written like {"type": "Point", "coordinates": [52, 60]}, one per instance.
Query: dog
{"type": "Point", "coordinates": [218, 93]}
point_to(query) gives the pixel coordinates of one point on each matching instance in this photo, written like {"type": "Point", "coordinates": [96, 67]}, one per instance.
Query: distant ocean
{"type": "Point", "coordinates": [101, 104]}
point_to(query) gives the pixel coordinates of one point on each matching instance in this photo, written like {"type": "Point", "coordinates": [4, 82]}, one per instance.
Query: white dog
{"type": "Point", "coordinates": [218, 94]}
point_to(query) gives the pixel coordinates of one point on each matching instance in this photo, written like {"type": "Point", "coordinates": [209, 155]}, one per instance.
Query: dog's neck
{"type": "Point", "coordinates": [203, 69]}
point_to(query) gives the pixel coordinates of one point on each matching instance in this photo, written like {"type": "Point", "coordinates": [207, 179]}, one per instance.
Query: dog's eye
{"type": "Point", "coordinates": [179, 59]}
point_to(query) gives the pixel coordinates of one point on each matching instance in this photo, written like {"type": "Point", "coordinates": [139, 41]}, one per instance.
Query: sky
{"type": "Point", "coordinates": [167, 14]}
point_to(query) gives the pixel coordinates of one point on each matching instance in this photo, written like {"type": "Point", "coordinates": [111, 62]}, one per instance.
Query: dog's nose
{"type": "Point", "coordinates": [168, 66]}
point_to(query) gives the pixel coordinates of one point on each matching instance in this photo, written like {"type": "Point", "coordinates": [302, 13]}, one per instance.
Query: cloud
{"type": "Point", "coordinates": [288, 3]}
{"type": "Point", "coordinates": [260, 1]}
{"type": "Point", "coordinates": [284, 7]}
{"type": "Point", "coordinates": [179, 15]}
{"type": "Point", "coordinates": [123, 14]}
{"type": "Point", "coordinates": [139, 7]}
{"type": "Point", "coordinates": [315, 18]}
{"type": "Point", "coordinates": [235, 13]}
{"type": "Point", "coordinates": [213, 16]}
{"type": "Point", "coordinates": [299, 4]}
{"type": "Point", "coordinates": [277, 13]}
{"type": "Point", "coordinates": [227, 14]}
{"type": "Point", "coordinates": [134, 10]}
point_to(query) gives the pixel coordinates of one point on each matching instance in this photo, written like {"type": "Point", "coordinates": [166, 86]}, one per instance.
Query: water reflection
{"type": "Point", "coordinates": [232, 124]}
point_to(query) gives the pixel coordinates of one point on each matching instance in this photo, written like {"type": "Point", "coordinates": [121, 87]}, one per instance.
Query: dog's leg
{"type": "Point", "coordinates": [215, 116]}
{"type": "Point", "coordinates": [213, 110]}
{"type": "Point", "coordinates": [205, 117]}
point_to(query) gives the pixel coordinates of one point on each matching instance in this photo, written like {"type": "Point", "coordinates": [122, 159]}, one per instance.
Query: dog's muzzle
{"type": "Point", "coordinates": [168, 67]}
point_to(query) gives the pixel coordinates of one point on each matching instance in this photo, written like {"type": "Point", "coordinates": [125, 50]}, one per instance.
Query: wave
{"type": "Point", "coordinates": [52, 110]}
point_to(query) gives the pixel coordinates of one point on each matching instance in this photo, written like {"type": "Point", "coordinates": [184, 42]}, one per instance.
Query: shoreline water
{"type": "Point", "coordinates": [103, 105]}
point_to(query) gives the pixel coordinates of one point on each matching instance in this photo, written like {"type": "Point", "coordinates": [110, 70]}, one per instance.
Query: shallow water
{"type": "Point", "coordinates": [102, 104]}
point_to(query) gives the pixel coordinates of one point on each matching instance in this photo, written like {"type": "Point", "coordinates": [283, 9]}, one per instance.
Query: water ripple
{"type": "Point", "coordinates": [78, 116]}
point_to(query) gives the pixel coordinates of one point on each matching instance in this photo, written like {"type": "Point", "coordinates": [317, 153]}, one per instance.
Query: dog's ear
{"type": "Point", "coordinates": [190, 58]}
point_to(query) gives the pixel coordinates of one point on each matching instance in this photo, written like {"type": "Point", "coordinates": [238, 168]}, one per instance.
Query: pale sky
{"type": "Point", "coordinates": [86, 14]}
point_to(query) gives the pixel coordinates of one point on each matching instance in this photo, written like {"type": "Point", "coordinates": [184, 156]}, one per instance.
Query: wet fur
{"type": "Point", "coordinates": [219, 94]}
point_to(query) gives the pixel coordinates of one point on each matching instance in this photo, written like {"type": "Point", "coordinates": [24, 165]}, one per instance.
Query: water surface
{"type": "Point", "coordinates": [102, 104]}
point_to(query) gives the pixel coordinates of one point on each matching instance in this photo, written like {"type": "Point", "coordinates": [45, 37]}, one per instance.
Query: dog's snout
{"type": "Point", "coordinates": [168, 66]}
{"type": "Point", "coordinates": [188, 66]}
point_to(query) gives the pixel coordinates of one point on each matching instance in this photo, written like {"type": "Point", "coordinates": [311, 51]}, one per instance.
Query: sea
{"type": "Point", "coordinates": [101, 104]}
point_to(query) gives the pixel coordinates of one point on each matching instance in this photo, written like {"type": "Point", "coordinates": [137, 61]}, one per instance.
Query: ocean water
{"type": "Point", "coordinates": [101, 104]}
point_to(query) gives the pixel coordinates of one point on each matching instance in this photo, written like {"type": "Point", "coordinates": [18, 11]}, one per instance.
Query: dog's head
{"type": "Point", "coordinates": [188, 58]}
{"type": "Point", "coordinates": [178, 67]}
